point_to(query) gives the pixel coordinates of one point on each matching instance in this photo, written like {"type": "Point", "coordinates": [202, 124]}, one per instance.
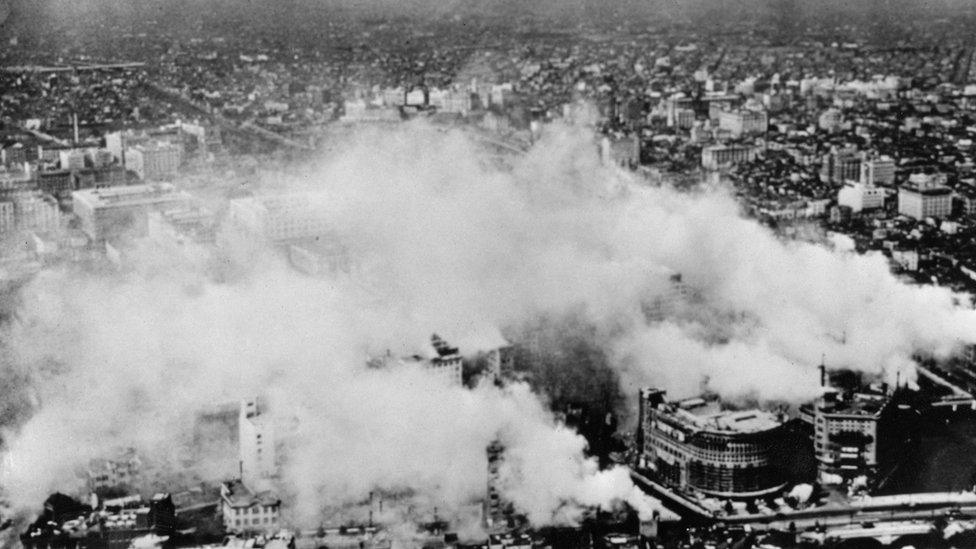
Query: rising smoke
{"type": "Point", "coordinates": [439, 241]}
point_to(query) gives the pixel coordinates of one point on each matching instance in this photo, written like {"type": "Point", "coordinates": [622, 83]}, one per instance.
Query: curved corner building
{"type": "Point", "coordinates": [695, 446]}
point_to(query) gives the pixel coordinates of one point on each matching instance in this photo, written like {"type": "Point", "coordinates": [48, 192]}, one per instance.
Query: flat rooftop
{"type": "Point", "coordinates": [859, 404]}
{"type": "Point", "coordinates": [129, 195]}
{"type": "Point", "coordinates": [708, 415]}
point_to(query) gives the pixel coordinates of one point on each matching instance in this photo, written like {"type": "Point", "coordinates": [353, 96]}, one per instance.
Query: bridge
{"type": "Point", "coordinates": [902, 507]}
{"type": "Point", "coordinates": [884, 533]}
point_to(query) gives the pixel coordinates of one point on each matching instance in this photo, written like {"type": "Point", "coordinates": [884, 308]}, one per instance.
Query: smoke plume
{"type": "Point", "coordinates": [440, 241]}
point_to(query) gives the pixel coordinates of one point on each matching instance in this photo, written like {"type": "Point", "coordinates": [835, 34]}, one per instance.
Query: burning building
{"type": "Point", "coordinates": [442, 361]}
{"type": "Point", "coordinates": [499, 513]}
{"type": "Point", "coordinates": [693, 445]}
{"type": "Point", "coordinates": [256, 438]}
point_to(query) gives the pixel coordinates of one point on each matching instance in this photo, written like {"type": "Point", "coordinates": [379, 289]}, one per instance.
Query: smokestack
{"type": "Point", "coordinates": [823, 371]}
{"type": "Point", "coordinates": [240, 469]}
{"type": "Point", "coordinates": [75, 121]}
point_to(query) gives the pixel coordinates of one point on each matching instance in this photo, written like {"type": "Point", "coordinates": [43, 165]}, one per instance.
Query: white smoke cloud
{"type": "Point", "coordinates": [441, 243]}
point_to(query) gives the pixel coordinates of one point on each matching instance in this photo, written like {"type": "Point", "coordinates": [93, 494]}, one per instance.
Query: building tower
{"type": "Point", "coordinates": [256, 439]}
{"type": "Point", "coordinates": [498, 512]}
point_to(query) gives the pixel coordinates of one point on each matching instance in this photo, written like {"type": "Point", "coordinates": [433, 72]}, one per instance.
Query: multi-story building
{"type": "Point", "coordinates": [319, 256]}
{"type": "Point", "coordinates": [445, 364]}
{"type": "Point", "coordinates": [119, 472]}
{"type": "Point", "coordinates": [695, 446]}
{"type": "Point", "coordinates": [13, 155]}
{"type": "Point", "coordinates": [59, 183]}
{"type": "Point", "coordinates": [442, 362]}
{"type": "Point", "coordinates": [248, 512]}
{"type": "Point", "coordinates": [499, 513]}
{"type": "Point", "coordinates": [72, 159]}
{"type": "Point", "coordinates": [179, 225]}
{"type": "Point", "coordinates": [623, 151]}
{"type": "Point", "coordinates": [280, 218]}
{"type": "Point", "coordinates": [154, 161]}
{"type": "Point", "coordinates": [500, 363]}
{"type": "Point", "coordinates": [256, 438]}
{"type": "Point", "coordinates": [716, 157]}
{"type": "Point", "coordinates": [36, 211]}
{"type": "Point", "coordinates": [452, 101]}
{"type": "Point", "coordinates": [672, 108]}
{"type": "Point", "coordinates": [830, 120]}
{"type": "Point", "coordinates": [878, 171]}
{"type": "Point", "coordinates": [716, 108]}
{"type": "Point", "coordinates": [674, 297]}
{"type": "Point", "coordinates": [841, 165]}
{"type": "Point", "coordinates": [684, 119]}
{"type": "Point", "coordinates": [16, 178]}
{"type": "Point", "coordinates": [8, 221]}
{"type": "Point", "coordinates": [117, 211]}
{"type": "Point", "coordinates": [852, 434]}
{"type": "Point", "coordinates": [111, 175]}
{"type": "Point", "coordinates": [742, 122]}
{"type": "Point", "coordinates": [920, 202]}
{"type": "Point", "coordinates": [861, 196]}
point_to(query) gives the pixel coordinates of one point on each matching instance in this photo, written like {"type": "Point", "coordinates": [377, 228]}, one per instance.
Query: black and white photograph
{"type": "Point", "coordinates": [488, 274]}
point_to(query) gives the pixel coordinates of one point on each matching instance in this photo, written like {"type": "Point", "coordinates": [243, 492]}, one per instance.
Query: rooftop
{"type": "Point", "coordinates": [236, 494]}
{"type": "Point", "coordinates": [860, 404]}
{"type": "Point", "coordinates": [129, 195]}
{"type": "Point", "coordinates": [706, 413]}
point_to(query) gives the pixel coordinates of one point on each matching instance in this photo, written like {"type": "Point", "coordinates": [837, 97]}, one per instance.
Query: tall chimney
{"type": "Point", "coordinates": [75, 120]}
{"type": "Point", "coordinates": [823, 371]}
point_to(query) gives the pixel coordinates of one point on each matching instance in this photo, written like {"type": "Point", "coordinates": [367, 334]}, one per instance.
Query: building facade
{"type": "Point", "coordinates": [716, 157]}
{"type": "Point", "coordinates": [248, 512]}
{"type": "Point", "coordinates": [920, 203]}
{"type": "Point", "coordinates": [154, 161]}
{"type": "Point", "coordinates": [742, 122]}
{"type": "Point", "coordinates": [852, 434]}
{"type": "Point", "coordinates": [8, 221]}
{"type": "Point", "coordinates": [280, 218]}
{"type": "Point", "coordinates": [256, 439]}
{"type": "Point", "coordinates": [860, 196]}
{"type": "Point", "coordinates": [840, 166]}
{"type": "Point", "coordinates": [113, 212]}
{"type": "Point", "coordinates": [878, 171]}
{"type": "Point", "coordinates": [693, 445]}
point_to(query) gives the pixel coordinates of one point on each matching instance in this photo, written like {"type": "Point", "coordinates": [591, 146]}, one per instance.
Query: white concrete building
{"type": "Point", "coordinates": [281, 217]}
{"type": "Point", "coordinates": [859, 196]}
{"type": "Point", "coordinates": [742, 122]}
{"type": "Point", "coordinates": [715, 157]}
{"type": "Point", "coordinates": [920, 203]}
{"type": "Point", "coordinates": [115, 211]}
{"type": "Point", "coordinates": [256, 439]}
{"type": "Point", "coordinates": [442, 362]}
{"type": "Point", "coordinates": [72, 159]}
{"type": "Point", "coordinates": [878, 171]}
{"type": "Point", "coordinates": [154, 161]}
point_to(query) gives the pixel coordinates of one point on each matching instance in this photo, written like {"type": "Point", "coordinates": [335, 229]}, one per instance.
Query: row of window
{"type": "Point", "coordinates": [255, 510]}
{"type": "Point", "coordinates": [255, 522]}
